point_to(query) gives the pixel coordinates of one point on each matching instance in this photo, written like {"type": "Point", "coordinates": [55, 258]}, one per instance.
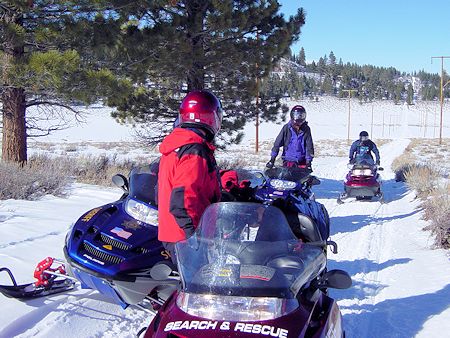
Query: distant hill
{"type": "Point", "coordinates": [294, 78]}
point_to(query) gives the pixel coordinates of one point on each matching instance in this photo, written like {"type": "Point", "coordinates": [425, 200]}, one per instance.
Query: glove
{"type": "Point", "coordinates": [270, 163]}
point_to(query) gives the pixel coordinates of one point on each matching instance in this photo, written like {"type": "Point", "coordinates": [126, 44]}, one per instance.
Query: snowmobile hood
{"type": "Point", "coordinates": [180, 137]}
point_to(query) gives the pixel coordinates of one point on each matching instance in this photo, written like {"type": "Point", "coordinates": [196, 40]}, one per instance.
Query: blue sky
{"type": "Point", "coordinates": [404, 34]}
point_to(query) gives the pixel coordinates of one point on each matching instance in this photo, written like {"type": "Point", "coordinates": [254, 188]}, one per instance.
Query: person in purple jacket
{"type": "Point", "coordinates": [296, 140]}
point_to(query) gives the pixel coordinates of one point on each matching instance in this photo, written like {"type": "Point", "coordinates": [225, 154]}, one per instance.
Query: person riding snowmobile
{"type": "Point", "coordinates": [296, 140]}
{"type": "Point", "coordinates": [188, 178]}
{"type": "Point", "coordinates": [362, 149]}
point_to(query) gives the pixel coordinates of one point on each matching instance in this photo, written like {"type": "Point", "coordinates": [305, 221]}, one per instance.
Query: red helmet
{"type": "Point", "coordinates": [201, 109]}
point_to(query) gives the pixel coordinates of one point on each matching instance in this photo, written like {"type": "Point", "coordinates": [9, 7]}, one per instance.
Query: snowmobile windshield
{"type": "Point", "coordinates": [244, 249]}
{"type": "Point", "coordinates": [362, 162]}
{"type": "Point", "coordinates": [143, 183]}
{"type": "Point", "coordinates": [293, 174]}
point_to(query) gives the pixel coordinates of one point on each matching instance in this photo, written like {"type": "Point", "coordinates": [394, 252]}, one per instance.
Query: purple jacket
{"type": "Point", "coordinates": [296, 147]}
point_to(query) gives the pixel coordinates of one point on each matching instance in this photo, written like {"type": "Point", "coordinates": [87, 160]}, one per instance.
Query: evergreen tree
{"type": "Point", "coordinates": [223, 46]}
{"type": "Point", "coordinates": [410, 94]}
{"type": "Point", "coordinates": [302, 57]}
{"type": "Point", "coordinates": [46, 63]}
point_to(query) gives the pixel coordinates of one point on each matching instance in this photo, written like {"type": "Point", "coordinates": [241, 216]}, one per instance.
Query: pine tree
{"type": "Point", "coordinates": [410, 94]}
{"type": "Point", "coordinates": [302, 57]}
{"type": "Point", "coordinates": [223, 46]}
{"type": "Point", "coordinates": [46, 63]}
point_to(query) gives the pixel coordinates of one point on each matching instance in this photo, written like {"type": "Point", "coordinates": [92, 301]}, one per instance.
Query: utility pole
{"type": "Point", "coordinates": [442, 91]}
{"type": "Point", "coordinates": [349, 91]}
{"type": "Point", "coordinates": [257, 106]}
{"type": "Point", "coordinates": [371, 125]}
{"type": "Point", "coordinates": [257, 116]}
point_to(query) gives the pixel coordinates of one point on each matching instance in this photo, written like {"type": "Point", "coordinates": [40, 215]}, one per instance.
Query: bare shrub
{"type": "Point", "coordinates": [402, 164]}
{"type": "Point", "coordinates": [422, 178]}
{"type": "Point", "coordinates": [99, 170]}
{"type": "Point", "coordinates": [45, 174]}
{"type": "Point", "coordinates": [238, 162]}
{"type": "Point", "coordinates": [437, 211]}
{"type": "Point", "coordinates": [31, 181]}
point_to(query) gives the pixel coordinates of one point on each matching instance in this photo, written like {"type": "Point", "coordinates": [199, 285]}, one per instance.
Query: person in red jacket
{"type": "Point", "coordinates": [188, 180]}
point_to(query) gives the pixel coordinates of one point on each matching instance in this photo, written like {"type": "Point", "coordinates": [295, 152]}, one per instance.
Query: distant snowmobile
{"type": "Point", "coordinates": [362, 182]}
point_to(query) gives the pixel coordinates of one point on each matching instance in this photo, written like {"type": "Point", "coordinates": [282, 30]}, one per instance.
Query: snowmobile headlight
{"type": "Point", "coordinates": [362, 172]}
{"type": "Point", "coordinates": [141, 212]}
{"type": "Point", "coordinates": [234, 308]}
{"type": "Point", "coordinates": [282, 185]}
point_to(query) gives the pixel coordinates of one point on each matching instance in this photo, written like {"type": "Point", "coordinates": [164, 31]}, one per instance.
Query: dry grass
{"type": "Point", "coordinates": [425, 179]}
{"type": "Point", "coordinates": [50, 175]}
{"type": "Point", "coordinates": [437, 212]}
{"type": "Point", "coordinates": [31, 181]}
{"type": "Point", "coordinates": [422, 178]}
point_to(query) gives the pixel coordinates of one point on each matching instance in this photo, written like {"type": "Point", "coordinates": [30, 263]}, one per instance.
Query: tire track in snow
{"type": "Point", "coordinates": [31, 239]}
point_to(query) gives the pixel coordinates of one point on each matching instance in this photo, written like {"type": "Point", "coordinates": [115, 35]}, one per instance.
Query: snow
{"type": "Point", "coordinates": [401, 285]}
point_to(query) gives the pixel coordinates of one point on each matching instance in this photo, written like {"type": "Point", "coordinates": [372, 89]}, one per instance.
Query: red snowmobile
{"type": "Point", "coordinates": [362, 182]}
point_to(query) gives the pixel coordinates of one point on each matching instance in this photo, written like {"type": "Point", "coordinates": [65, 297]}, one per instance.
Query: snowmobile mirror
{"type": "Point", "coordinates": [333, 246]}
{"type": "Point", "coordinates": [315, 181]}
{"type": "Point", "coordinates": [161, 271]}
{"type": "Point", "coordinates": [335, 279]}
{"type": "Point", "coordinates": [380, 168]}
{"type": "Point", "coordinates": [120, 181]}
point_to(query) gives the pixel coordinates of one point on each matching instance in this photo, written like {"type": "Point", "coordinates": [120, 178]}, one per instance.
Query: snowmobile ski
{"type": "Point", "coordinates": [47, 281]}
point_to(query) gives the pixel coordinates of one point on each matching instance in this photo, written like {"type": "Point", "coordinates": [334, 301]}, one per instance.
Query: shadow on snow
{"type": "Point", "coordinates": [399, 317]}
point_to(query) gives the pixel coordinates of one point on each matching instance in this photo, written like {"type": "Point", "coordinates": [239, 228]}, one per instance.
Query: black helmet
{"type": "Point", "coordinates": [298, 114]}
{"type": "Point", "coordinates": [364, 135]}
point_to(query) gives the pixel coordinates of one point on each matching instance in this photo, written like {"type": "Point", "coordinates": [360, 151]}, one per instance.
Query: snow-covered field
{"type": "Point", "coordinates": [401, 287]}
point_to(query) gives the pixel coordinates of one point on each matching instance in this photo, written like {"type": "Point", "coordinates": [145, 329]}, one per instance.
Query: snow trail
{"type": "Point", "coordinates": [400, 287]}
{"type": "Point", "coordinates": [383, 247]}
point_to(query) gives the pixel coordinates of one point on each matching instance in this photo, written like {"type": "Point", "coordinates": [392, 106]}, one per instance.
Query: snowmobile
{"type": "Point", "coordinates": [244, 272]}
{"type": "Point", "coordinates": [362, 182]}
{"type": "Point", "coordinates": [113, 247]}
{"type": "Point", "coordinates": [290, 189]}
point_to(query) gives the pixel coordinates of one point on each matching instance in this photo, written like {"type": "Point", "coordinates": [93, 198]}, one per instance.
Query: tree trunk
{"type": "Point", "coordinates": [14, 145]}
{"type": "Point", "coordinates": [196, 10]}
{"type": "Point", "coordinates": [14, 138]}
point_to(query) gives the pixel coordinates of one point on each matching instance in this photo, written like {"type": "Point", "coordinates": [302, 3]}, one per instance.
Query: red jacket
{"type": "Point", "coordinates": [187, 183]}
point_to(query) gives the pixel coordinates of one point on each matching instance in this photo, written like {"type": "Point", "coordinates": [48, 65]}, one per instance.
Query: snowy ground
{"type": "Point", "coordinates": [401, 286]}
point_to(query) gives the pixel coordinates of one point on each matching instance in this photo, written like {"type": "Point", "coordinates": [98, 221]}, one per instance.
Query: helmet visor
{"type": "Point", "coordinates": [298, 116]}
{"type": "Point", "coordinates": [364, 138]}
